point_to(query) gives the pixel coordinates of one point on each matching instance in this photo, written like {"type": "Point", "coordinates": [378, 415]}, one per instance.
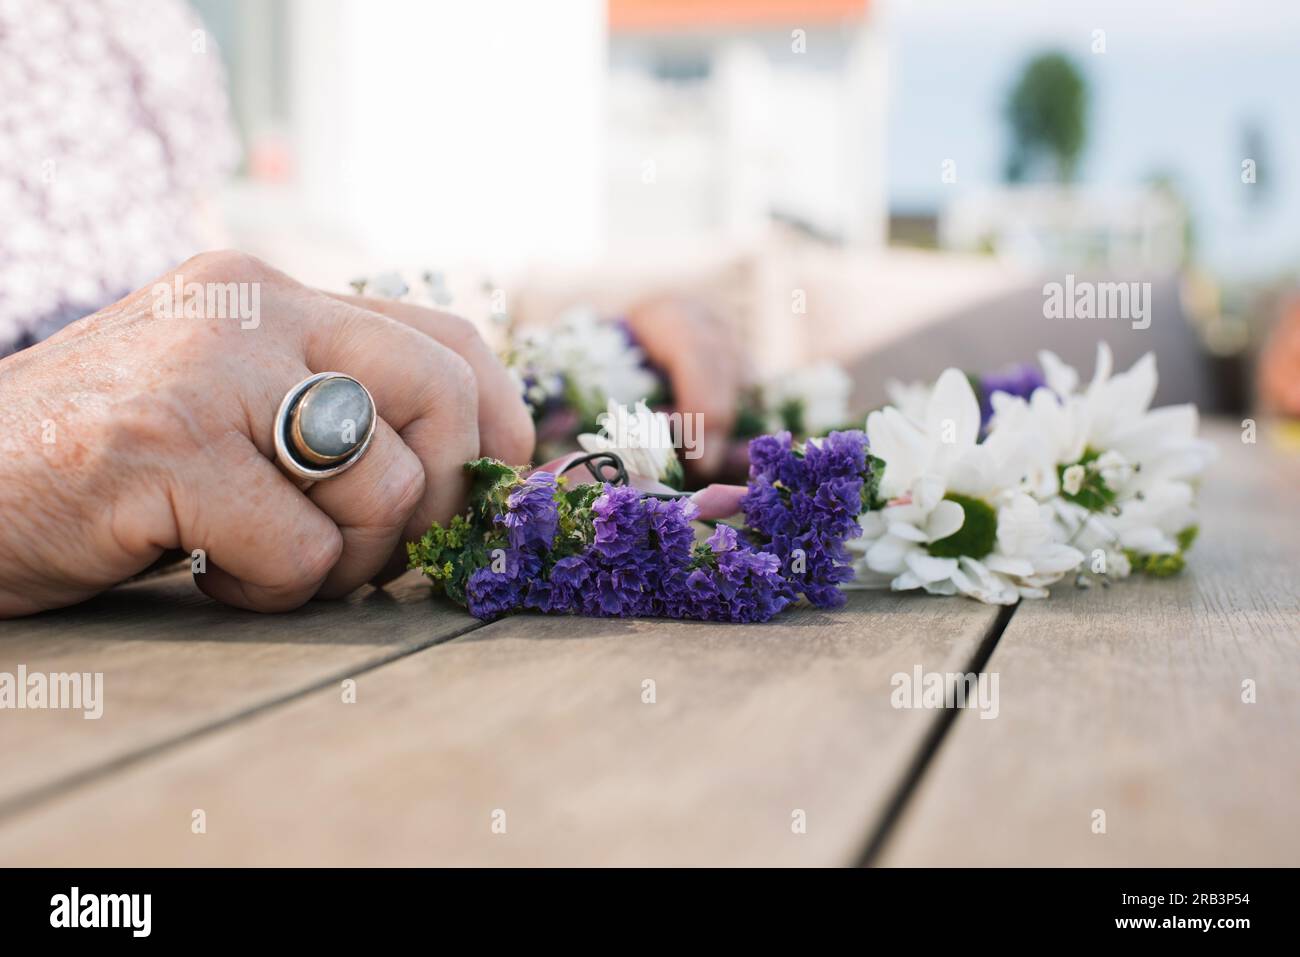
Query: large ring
{"type": "Point", "coordinates": [324, 425]}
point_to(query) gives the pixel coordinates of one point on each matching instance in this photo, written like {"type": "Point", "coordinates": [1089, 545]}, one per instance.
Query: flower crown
{"type": "Point", "coordinates": [994, 487]}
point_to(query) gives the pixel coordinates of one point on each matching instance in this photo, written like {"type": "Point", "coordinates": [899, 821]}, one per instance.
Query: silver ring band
{"type": "Point", "coordinates": [324, 426]}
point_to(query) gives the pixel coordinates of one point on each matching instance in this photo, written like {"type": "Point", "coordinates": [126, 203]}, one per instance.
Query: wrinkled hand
{"type": "Point", "coordinates": [702, 357]}
{"type": "Point", "coordinates": [128, 434]}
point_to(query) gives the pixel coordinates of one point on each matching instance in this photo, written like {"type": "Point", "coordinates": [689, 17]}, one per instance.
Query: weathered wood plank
{"type": "Point", "coordinates": [1129, 701]}
{"type": "Point", "coordinates": [544, 719]}
{"type": "Point", "coordinates": [175, 662]}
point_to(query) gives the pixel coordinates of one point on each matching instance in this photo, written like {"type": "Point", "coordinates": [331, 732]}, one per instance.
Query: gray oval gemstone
{"type": "Point", "coordinates": [334, 416]}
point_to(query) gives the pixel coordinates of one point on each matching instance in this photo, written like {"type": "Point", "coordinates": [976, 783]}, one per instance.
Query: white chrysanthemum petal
{"type": "Point", "coordinates": [907, 532]}
{"type": "Point", "coordinates": [910, 398]}
{"type": "Point", "coordinates": [1147, 540]}
{"type": "Point", "coordinates": [905, 582]}
{"type": "Point", "coordinates": [927, 492]}
{"type": "Point", "coordinates": [952, 416]}
{"type": "Point", "coordinates": [903, 447]}
{"type": "Point", "coordinates": [946, 519]}
{"type": "Point", "coordinates": [873, 526]}
{"type": "Point", "coordinates": [1007, 565]}
{"type": "Point", "coordinates": [943, 587]}
{"type": "Point", "coordinates": [886, 555]}
{"type": "Point", "coordinates": [974, 579]}
{"type": "Point", "coordinates": [929, 569]}
{"type": "Point", "coordinates": [1061, 378]}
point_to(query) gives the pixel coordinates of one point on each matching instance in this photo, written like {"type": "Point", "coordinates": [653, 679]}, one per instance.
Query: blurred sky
{"type": "Point", "coordinates": [1173, 93]}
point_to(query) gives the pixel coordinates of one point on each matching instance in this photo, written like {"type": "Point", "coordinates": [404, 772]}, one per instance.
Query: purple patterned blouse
{"type": "Point", "coordinates": [113, 122]}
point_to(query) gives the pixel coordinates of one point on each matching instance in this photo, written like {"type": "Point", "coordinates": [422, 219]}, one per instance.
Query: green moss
{"type": "Point", "coordinates": [977, 535]}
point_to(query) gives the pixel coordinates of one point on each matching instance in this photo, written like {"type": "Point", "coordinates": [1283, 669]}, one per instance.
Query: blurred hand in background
{"type": "Point", "coordinates": [701, 356]}
{"type": "Point", "coordinates": [1279, 369]}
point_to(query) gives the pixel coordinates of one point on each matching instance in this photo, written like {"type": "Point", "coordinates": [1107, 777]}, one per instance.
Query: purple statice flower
{"type": "Point", "coordinates": [671, 533]}
{"type": "Point", "coordinates": [723, 539]}
{"type": "Point", "coordinates": [568, 576]}
{"type": "Point", "coordinates": [772, 457]}
{"type": "Point", "coordinates": [838, 455]}
{"type": "Point", "coordinates": [619, 521]}
{"type": "Point", "coordinates": [1018, 380]}
{"type": "Point", "coordinates": [620, 561]}
{"type": "Point", "coordinates": [802, 508]}
{"type": "Point", "coordinates": [494, 590]}
{"type": "Point", "coordinates": [531, 516]}
{"type": "Point", "coordinates": [749, 584]}
{"type": "Point", "coordinates": [640, 557]}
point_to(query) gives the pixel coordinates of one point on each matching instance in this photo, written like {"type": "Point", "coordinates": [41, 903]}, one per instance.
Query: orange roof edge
{"type": "Point", "coordinates": [672, 15]}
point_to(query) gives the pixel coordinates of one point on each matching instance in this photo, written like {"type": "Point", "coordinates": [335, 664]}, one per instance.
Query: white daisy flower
{"type": "Point", "coordinates": [956, 520]}
{"type": "Point", "coordinates": [1118, 475]}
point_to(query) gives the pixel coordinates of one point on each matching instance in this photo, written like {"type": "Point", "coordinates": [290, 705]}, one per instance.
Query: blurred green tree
{"type": "Point", "coordinates": [1047, 111]}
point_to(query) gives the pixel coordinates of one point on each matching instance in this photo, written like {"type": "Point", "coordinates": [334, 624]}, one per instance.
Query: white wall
{"type": "Point", "coordinates": [452, 132]}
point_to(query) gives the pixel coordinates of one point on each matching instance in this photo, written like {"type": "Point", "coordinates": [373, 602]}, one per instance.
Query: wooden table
{"type": "Point", "coordinates": [563, 741]}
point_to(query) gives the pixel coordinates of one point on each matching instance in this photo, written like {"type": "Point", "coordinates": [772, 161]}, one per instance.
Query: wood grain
{"type": "Point", "coordinates": [1129, 701]}
{"type": "Point", "coordinates": [544, 719]}
{"type": "Point", "coordinates": [175, 663]}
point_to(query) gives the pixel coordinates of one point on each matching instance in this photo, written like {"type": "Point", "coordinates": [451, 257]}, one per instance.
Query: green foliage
{"type": "Point", "coordinates": [1047, 112]}
{"type": "Point", "coordinates": [978, 533]}
{"type": "Point", "coordinates": [1094, 494]}
{"type": "Point", "coordinates": [1159, 566]}
{"type": "Point", "coordinates": [491, 484]}
{"type": "Point", "coordinates": [575, 528]}
{"type": "Point", "coordinates": [449, 554]}
{"type": "Point", "coordinates": [703, 556]}
{"type": "Point", "coordinates": [1162, 566]}
{"type": "Point", "coordinates": [871, 487]}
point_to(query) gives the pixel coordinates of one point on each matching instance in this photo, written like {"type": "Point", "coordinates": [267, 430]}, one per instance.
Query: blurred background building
{"type": "Point", "coordinates": [894, 165]}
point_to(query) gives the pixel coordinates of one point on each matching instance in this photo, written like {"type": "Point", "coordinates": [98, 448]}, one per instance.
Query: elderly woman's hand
{"type": "Point", "coordinates": [129, 434]}
{"type": "Point", "coordinates": [701, 356]}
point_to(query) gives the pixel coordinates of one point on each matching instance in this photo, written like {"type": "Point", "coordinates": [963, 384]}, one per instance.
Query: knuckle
{"type": "Point", "coordinates": [226, 264]}
{"type": "Point", "coordinates": [408, 486]}
{"type": "Point", "coordinates": [318, 555]}
{"type": "Point", "coordinates": [400, 493]}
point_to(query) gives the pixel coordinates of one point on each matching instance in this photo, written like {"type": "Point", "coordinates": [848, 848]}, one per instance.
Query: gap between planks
{"type": "Point", "coordinates": [945, 719]}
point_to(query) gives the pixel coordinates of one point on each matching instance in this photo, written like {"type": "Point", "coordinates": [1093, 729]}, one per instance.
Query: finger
{"type": "Point", "coordinates": [703, 389]}
{"type": "Point", "coordinates": [697, 354]}
{"type": "Point", "coordinates": [267, 547]}
{"type": "Point", "coordinates": [505, 426]}
{"type": "Point", "coordinates": [423, 390]}
{"type": "Point", "coordinates": [370, 503]}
